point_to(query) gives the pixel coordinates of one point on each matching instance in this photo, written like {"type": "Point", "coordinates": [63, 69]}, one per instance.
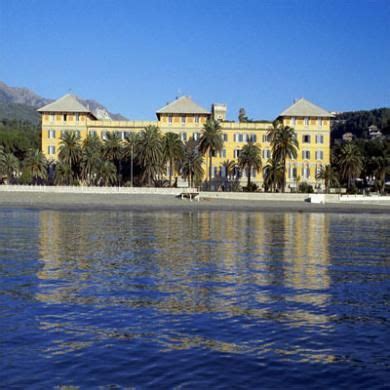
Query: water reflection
{"type": "Point", "coordinates": [228, 265]}
{"type": "Point", "coordinates": [252, 289]}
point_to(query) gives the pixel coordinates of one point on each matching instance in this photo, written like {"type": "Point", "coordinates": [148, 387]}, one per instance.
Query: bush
{"type": "Point", "coordinates": [305, 188]}
{"type": "Point", "coordinates": [251, 188]}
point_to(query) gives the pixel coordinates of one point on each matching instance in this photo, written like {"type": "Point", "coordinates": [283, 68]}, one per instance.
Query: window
{"type": "Point", "coordinates": [104, 135]}
{"type": "Point", "coordinates": [196, 118]}
{"type": "Point", "coordinates": [170, 119]}
{"type": "Point", "coordinates": [51, 149]}
{"type": "Point", "coordinates": [240, 137]}
{"type": "Point", "coordinates": [319, 139]}
{"type": "Point", "coordinates": [51, 117]}
{"type": "Point", "coordinates": [253, 138]}
{"type": "Point", "coordinates": [306, 121]}
{"type": "Point", "coordinates": [215, 171]}
{"type": "Point", "coordinates": [51, 134]}
{"type": "Point", "coordinates": [305, 172]}
{"type": "Point", "coordinates": [183, 136]}
{"type": "Point", "coordinates": [306, 154]}
{"type": "Point", "coordinates": [292, 172]}
{"type": "Point", "coordinates": [77, 116]}
{"type": "Point", "coordinates": [237, 153]}
{"type": "Point", "coordinates": [92, 133]}
{"type": "Point", "coordinates": [196, 136]}
{"type": "Point", "coordinates": [65, 117]}
{"type": "Point", "coordinates": [319, 122]}
{"type": "Point", "coordinates": [306, 139]}
{"type": "Point", "coordinates": [266, 154]}
{"type": "Point", "coordinates": [183, 119]}
{"type": "Point", "coordinates": [126, 135]}
{"type": "Point", "coordinates": [222, 153]}
{"type": "Point", "coordinates": [77, 133]}
{"type": "Point", "coordinates": [225, 137]}
{"type": "Point", "coordinates": [266, 138]}
{"type": "Point", "coordinates": [319, 155]}
{"type": "Point", "coordinates": [292, 121]}
{"type": "Point", "coordinates": [223, 171]}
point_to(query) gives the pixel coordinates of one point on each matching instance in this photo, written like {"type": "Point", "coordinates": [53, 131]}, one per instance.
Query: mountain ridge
{"type": "Point", "coordinates": [20, 102]}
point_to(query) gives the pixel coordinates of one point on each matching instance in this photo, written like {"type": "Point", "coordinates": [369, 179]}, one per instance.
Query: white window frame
{"type": "Point", "coordinates": [305, 154]}
{"type": "Point", "coordinates": [306, 121]}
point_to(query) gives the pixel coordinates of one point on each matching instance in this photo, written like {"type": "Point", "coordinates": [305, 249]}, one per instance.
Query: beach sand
{"type": "Point", "coordinates": [145, 203]}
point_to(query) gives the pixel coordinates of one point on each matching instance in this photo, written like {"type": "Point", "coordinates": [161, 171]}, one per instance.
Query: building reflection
{"type": "Point", "coordinates": [264, 266]}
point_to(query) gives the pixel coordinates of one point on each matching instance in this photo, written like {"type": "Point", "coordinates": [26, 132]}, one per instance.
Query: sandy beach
{"type": "Point", "coordinates": [145, 203]}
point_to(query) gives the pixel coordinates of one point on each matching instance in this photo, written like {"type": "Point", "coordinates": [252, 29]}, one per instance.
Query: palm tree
{"type": "Point", "coordinates": [150, 153]}
{"type": "Point", "coordinates": [2, 161]}
{"type": "Point", "coordinates": [36, 165]}
{"type": "Point", "coordinates": [173, 151]}
{"type": "Point", "coordinates": [284, 145]}
{"type": "Point", "coordinates": [250, 158]}
{"type": "Point", "coordinates": [211, 141]}
{"type": "Point", "coordinates": [70, 153]}
{"type": "Point", "coordinates": [382, 168]}
{"type": "Point", "coordinates": [91, 155]}
{"type": "Point", "coordinates": [329, 175]}
{"type": "Point", "coordinates": [229, 166]}
{"type": "Point", "coordinates": [273, 175]}
{"type": "Point", "coordinates": [130, 151]}
{"type": "Point", "coordinates": [113, 149]}
{"type": "Point", "coordinates": [64, 174]}
{"type": "Point", "coordinates": [10, 166]}
{"type": "Point", "coordinates": [192, 164]}
{"type": "Point", "coordinates": [350, 162]}
{"type": "Point", "coordinates": [107, 173]}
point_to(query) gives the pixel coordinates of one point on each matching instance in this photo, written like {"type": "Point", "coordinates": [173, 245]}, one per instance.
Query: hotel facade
{"type": "Point", "coordinates": [186, 118]}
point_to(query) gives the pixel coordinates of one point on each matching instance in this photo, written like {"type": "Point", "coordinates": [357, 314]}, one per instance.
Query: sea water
{"type": "Point", "coordinates": [194, 299]}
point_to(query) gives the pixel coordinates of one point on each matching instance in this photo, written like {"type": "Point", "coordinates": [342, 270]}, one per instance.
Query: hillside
{"type": "Point", "coordinates": [21, 104]}
{"type": "Point", "coordinates": [357, 122]}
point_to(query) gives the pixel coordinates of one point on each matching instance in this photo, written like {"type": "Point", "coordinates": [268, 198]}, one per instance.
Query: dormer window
{"type": "Point", "coordinates": [306, 121]}
{"type": "Point", "coordinates": [183, 119]}
{"type": "Point", "coordinates": [196, 119]}
{"type": "Point", "coordinates": [293, 121]}
{"type": "Point", "coordinates": [65, 117]}
{"type": "Point", "coordinates": [319, 122]}
{"type": "Point", "coordinates": [77, 116]}
{"type": "Point", "coordinates": [52, 117]}
{"type": "Point", "coordinates": [170, 119]}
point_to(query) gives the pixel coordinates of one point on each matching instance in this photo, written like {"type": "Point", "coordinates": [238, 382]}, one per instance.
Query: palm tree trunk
{"type": "Point", "coordinates": [284, 175]}
{"type": "Point", "coordinates": [210, 168]}
{"type": "Point", "coordinates": [170, 172]}
{"type": "Point", "coordinates": [249, 177]}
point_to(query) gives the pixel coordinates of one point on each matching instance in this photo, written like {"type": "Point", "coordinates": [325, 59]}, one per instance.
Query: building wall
{"type": "Point", "coordinates": [236, 135]}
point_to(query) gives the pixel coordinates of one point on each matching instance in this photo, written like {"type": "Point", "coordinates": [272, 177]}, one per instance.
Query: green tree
{"type": "Point", "coordinates": [91, 158]}
{"type": "Point", "coordinates": [381, 169]}
{"type": "Point", "coordinates": [150, 153]}
{"type": "Point", "coordinates": [249, 158]}
{"type": "Point", "coordinates": [273, 175]}
{"type": "Point", "coordinates": [229, 166]}
{"type": "Point", "coordinates": [242, 115]}
{"type": "Point", "coordinates": [192, 163]}
{"type": "Point", "coordinates": [284, 145]}
{"type": "Point", "coordinates": [107, 173]}
{"type": "Point", "coordinates": [64, 174]}
{"type": "Point", "coordinates": [211, 142]}
{"type": "Point", "coordinates": [2, 162]}
{"type": "Point", "coordinates": [173, 151]}
{"type": "Point", "coordinates": [113, 149]}
{"type": "Point", "coordinates": [70, 153]}
{"type": "Point", "coordinates": [350, 163]}
{"type": "Point", "coordinates": [36, 166]}
{"type": "Point", "coordinates": [329, 175]}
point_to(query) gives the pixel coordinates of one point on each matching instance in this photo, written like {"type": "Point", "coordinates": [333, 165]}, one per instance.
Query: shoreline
{"type": "Point", "coordinates": [154, 202]}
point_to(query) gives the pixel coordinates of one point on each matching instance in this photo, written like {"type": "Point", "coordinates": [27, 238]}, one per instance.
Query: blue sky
{"type": "Point", "coordinates": [134, 56]}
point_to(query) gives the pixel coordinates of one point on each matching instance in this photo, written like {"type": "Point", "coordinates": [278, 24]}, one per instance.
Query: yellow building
{"type": "Point", "coordinates": [185, 117]}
